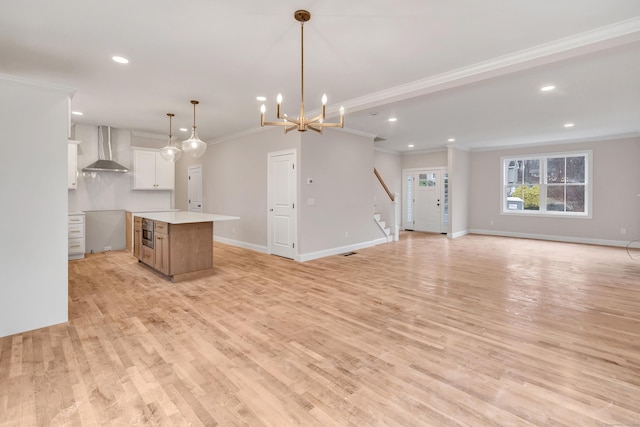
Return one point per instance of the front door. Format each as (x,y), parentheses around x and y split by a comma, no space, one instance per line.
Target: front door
(194,188)
(425,200)
(282,193)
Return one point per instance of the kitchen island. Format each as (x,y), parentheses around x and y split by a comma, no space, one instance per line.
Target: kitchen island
(176,244)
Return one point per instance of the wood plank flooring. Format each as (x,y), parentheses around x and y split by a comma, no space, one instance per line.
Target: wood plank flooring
(476,331)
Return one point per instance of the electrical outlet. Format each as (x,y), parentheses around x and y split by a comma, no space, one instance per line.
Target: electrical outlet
(346,234)
(107,248)
(623,231)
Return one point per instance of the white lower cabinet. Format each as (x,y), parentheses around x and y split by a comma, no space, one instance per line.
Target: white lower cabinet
(76,235)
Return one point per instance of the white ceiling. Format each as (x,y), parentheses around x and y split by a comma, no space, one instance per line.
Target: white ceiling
(465,69)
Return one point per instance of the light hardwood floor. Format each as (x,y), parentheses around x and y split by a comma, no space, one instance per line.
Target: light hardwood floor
(476,331)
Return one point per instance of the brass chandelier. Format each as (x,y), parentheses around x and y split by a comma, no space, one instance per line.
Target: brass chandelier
(302,123)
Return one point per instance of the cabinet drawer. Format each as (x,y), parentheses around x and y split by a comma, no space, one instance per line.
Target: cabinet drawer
(76,230)
(76,246)
(161,227)
(76,219)
(147,255)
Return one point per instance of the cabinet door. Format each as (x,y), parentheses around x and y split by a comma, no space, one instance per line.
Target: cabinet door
(72,166)
(137,237)
(144,170)
(161,249)
(165,173)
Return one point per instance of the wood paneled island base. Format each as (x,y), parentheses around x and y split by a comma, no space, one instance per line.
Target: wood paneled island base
(182,246)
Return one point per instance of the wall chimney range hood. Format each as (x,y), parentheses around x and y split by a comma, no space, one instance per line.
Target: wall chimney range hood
(105,161)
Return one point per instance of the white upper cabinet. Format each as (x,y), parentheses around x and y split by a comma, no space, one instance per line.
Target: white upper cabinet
(152,172)
(72,164)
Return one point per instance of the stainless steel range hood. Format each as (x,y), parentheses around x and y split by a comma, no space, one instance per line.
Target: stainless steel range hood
(105,161)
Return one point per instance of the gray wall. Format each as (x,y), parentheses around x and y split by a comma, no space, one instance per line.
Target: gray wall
(389,165)
(425,160)
(341,165)
(234,182)
(616,184)
(33,184)
(459,181)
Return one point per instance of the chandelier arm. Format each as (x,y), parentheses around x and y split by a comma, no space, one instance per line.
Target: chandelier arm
(330,125)
(275,124)
(316,119)
(290,128)
(313,127)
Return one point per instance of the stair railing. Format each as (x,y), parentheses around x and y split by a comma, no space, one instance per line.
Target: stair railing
(391,196)
(395,211)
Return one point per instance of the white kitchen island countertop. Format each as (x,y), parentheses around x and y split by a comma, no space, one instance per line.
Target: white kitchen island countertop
(185,217)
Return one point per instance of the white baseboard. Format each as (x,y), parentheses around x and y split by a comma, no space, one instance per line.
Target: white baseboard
(568,239)
(240,244)
(341,250)
(460,234)
(304,257)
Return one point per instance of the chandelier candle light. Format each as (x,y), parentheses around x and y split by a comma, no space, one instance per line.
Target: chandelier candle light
(302,123)
(194,146)
(170,152)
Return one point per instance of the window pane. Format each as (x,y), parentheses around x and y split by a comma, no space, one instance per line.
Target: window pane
(575,198)
(431,180)
(575,169)
(514,172)
(532,171)
(555,170)
(523,197)
(555,198)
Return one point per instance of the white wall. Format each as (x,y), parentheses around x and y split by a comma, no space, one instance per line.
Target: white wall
(616,184)
(112,190)
(33,184)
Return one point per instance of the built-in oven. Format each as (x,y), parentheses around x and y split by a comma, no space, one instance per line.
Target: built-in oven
(147,232)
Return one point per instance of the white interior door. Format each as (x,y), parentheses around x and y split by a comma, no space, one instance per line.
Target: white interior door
(282,193)
(424,208)
(194,188)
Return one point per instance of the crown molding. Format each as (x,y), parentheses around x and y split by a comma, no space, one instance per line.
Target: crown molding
(618,34)
(61,88)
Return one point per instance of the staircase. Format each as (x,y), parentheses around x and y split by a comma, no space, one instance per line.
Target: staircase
(386,230)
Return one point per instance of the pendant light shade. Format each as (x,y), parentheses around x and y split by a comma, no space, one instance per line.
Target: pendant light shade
(170,152)
(194,146)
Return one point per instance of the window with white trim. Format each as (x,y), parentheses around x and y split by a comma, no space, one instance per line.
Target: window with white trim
(550,184)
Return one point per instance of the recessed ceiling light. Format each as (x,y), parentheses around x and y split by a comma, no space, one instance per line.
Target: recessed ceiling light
(569,125)
(261,98)
(120,59)
(548,88)
(183,129)
(410,145)
(393,119)
(451,139)
(77,113)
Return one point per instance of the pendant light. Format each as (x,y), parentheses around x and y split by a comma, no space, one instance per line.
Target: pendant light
(194,146)
(170,152)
